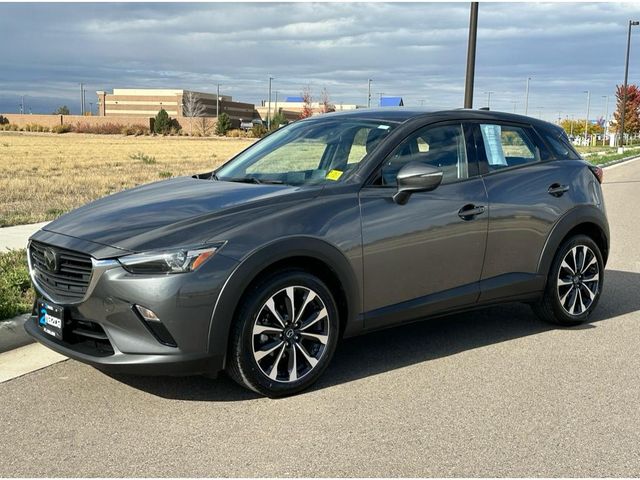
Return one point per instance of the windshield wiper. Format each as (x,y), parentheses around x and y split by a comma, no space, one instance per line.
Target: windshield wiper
(255,180)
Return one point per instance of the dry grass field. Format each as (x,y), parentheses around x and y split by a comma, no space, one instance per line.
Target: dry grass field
(45,175)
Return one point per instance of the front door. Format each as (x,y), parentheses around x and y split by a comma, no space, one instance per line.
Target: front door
(426,255)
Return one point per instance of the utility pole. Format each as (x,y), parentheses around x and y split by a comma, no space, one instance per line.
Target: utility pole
(369,95)
(217,101)
(471,55)
(81,98)
(624,94)
(489,99)
(269,107)
(586,122)
(22,106)
(84,101)
(526,97)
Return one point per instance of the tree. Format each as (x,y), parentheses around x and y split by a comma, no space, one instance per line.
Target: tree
(631,110)
(325,103)
(192,107)
(307,110)
(62,110)
(162,123)
(277,120)
(576,127)
(224,124)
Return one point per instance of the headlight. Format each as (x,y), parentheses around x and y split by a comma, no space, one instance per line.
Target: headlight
(173,261)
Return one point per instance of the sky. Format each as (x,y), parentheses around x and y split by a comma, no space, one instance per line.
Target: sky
(413,50)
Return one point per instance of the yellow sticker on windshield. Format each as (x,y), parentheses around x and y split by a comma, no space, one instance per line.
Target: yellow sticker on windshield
(334,175)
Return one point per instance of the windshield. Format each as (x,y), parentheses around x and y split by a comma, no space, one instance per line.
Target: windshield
(307,152)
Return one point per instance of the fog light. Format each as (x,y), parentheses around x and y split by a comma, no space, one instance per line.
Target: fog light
(147,314)
(155,326)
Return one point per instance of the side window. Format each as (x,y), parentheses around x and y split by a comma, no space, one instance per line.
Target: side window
(560,145)
(443,147)
(507,146)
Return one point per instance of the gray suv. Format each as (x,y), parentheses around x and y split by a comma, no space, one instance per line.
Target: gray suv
(330,227)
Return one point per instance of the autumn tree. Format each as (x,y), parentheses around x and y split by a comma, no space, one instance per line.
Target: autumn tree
(325,103)
(307,100)
(631,110)
(576,127)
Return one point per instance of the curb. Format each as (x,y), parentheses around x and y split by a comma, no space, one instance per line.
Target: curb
(27,359)
(616,162)
(12,333)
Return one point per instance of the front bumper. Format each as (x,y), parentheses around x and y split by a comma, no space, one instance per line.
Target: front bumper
(105,330)
(132,363)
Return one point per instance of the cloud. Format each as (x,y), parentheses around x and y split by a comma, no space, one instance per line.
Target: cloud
(416,50)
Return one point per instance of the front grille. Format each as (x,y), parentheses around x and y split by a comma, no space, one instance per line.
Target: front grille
(68,279)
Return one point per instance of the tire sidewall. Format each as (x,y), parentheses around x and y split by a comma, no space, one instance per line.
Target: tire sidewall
(552,290)
(252,374)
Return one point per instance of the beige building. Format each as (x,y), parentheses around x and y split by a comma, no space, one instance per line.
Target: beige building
(147,102)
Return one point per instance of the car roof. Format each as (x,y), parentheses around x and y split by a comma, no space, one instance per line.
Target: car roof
(403,114)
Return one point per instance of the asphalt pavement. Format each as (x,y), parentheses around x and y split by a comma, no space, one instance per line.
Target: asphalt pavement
(490,393)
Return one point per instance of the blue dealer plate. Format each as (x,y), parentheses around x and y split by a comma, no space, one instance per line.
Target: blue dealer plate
(50,319)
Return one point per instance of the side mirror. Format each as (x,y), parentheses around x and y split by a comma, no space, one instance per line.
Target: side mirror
(416,177)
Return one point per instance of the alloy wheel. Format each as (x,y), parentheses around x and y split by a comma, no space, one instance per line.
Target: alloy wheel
(290,334)
(578,281)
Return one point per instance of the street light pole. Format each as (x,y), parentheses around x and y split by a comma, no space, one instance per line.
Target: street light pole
(369,95)
(489,99)
(471,56)
(586,122)
(626,77)
(269,108)
(217,101)
(572,127)
(82,98)
(606,118)
(526,97)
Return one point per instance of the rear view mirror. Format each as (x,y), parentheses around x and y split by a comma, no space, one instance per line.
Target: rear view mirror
(416,177)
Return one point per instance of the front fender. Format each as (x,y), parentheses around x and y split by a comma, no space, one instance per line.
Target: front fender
(261,259)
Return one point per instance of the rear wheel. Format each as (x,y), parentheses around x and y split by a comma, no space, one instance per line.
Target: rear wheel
(285,334)
(574,284)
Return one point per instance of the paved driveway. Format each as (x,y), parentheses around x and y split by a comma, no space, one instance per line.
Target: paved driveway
(490,393)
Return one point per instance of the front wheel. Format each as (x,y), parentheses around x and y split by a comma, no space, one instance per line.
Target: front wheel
(284,335)
(574,284)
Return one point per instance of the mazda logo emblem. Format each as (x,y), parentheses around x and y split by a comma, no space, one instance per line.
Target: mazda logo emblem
(51,260)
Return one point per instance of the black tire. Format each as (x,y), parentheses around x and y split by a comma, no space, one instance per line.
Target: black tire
(550,308)
(242,365)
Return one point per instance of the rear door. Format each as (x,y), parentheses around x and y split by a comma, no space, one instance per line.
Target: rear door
(426,255)
(528,191)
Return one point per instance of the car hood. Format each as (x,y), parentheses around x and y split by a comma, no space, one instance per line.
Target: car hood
(180,211)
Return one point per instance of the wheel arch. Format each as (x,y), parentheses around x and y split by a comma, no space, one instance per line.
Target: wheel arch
(308,253)
(587,220)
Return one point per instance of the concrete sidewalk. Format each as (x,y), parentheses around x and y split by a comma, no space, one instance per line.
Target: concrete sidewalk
(16,237)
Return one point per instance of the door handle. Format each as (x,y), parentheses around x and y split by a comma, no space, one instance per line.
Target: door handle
(469,211)
(557,190)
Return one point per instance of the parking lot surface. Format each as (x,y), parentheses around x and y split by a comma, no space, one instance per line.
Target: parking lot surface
(489,393)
